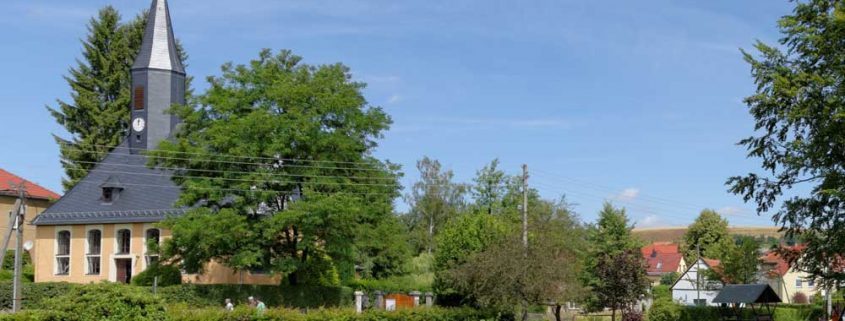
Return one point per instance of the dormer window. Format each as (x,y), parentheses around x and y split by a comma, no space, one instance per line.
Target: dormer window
(108,194)
(111,190)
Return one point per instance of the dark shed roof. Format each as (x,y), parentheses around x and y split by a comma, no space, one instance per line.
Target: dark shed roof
(747,293)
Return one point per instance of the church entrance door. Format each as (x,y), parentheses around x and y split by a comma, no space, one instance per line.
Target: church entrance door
(124,270)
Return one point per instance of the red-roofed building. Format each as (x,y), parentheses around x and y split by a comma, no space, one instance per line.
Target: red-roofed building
(785,280)
(663,258)
(38,199)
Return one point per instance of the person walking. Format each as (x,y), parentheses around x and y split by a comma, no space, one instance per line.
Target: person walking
(229,305)
(259,306)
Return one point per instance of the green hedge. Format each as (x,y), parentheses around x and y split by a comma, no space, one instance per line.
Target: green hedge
(33,294)
(782,313)
(177,313)
(196,295)
(273,295)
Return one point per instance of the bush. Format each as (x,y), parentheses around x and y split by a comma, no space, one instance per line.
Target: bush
(33,293)
(632,316)
(800,298)
(664,310)
(106,301)
(167,275)
(395,284)
(181,313)
(273,295)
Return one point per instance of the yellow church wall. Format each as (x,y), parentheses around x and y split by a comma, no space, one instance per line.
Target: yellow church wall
(45,257)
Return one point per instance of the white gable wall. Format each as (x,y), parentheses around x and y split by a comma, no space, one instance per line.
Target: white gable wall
(686,291)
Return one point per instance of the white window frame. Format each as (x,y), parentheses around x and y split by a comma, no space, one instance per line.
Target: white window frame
(147,228)
(88,254)
(798,283)
(117,246)
(67,256)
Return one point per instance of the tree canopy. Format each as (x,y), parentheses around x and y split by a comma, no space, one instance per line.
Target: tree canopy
(799,134)
(282,166)
(709,232)
(434,199)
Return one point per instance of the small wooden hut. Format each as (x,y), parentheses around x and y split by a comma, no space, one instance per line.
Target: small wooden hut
(736,300)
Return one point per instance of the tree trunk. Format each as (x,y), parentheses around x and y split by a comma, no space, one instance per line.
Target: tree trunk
(524,310)
(613,314)
(557,312)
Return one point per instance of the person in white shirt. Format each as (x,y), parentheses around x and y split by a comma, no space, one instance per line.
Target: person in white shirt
(229,305)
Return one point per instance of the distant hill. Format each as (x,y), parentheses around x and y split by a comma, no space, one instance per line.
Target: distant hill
(673,234)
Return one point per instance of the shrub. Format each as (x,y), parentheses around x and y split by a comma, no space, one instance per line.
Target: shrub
(664,310)
(272,295)
(800,298)
(108,301)
(180,313)
(661,292)
(632,316)
(33,293)
(167,275)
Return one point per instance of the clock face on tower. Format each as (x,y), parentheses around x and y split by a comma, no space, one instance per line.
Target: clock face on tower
(138,124)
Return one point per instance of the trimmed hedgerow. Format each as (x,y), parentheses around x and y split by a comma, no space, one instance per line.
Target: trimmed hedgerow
(272,295)
(181,313)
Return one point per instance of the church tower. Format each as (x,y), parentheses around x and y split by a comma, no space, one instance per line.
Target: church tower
(158,81)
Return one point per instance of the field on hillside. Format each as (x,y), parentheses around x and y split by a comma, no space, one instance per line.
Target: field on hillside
(673,234)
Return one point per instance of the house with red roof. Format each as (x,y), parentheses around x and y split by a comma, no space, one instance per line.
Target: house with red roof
(663,258)
(37,197)
(785,280)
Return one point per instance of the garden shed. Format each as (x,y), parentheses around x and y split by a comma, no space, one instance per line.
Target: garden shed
(751,302)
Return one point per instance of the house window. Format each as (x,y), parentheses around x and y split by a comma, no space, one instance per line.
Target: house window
(123,241)
(95,239)
(139,98)
(153,237)
(811,283)
(699,302)
(798,283)
(63,253)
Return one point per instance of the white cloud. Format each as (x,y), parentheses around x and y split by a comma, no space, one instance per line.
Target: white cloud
(520,123)
(394,99)
(628,194)
(649,221)
(731,210)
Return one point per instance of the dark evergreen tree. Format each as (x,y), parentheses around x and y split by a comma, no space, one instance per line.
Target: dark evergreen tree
(98,115)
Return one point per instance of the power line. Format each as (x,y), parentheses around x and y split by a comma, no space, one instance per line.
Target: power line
(254,190)
(147,156)
(275,159)
(225,171)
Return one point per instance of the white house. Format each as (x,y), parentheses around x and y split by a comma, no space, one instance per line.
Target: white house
(693,288)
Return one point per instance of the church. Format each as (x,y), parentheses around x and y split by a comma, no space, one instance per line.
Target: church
(99,230)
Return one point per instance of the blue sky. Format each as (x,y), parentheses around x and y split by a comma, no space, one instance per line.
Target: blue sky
(637,102)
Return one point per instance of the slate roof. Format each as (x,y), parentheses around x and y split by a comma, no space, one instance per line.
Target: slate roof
(158,51)
(32,190)
(747,293)
(147,195)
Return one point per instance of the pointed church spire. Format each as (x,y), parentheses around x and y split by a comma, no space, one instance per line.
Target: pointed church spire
(158,50)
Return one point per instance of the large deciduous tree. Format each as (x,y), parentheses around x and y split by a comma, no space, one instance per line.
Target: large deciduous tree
(434,199)
(98,115)
(799,113)
(741,262)
(614,257)
(506,274)
(621,279)
(281,164)
(709,233)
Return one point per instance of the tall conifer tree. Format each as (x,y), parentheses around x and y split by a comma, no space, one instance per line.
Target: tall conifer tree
(98,114)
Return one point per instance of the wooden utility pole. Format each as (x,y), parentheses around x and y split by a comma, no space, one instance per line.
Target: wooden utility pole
(698,273)
(16,221)
(525,208)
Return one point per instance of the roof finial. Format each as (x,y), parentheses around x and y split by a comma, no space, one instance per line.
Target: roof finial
(158,49)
